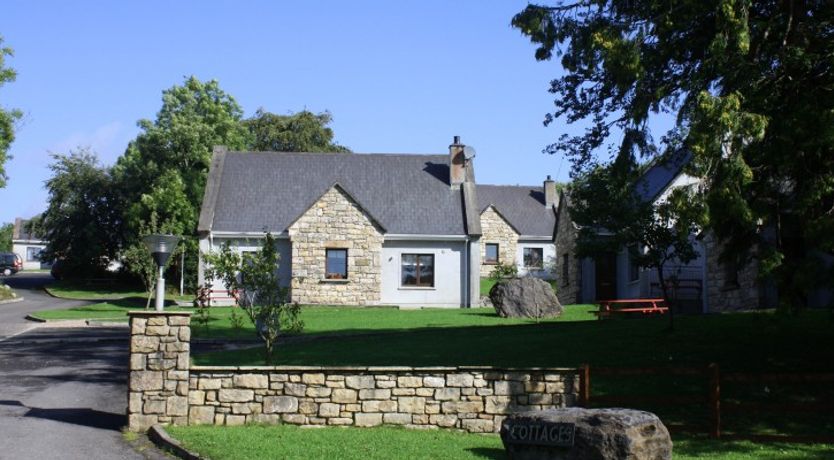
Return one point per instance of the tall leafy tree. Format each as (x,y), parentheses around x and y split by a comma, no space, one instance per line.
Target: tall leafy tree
(752,87)
(299,132)
(164,170)
(6,231)
(8,117)
(81,223)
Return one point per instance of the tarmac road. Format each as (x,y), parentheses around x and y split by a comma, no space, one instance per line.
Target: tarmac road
(62,390)
(29,286)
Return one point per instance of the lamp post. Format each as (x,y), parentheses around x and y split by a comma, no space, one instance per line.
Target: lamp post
(161,247)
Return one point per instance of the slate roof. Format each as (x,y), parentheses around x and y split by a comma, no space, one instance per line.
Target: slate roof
(19,231)
(661,173)
(405,194)
(522,205)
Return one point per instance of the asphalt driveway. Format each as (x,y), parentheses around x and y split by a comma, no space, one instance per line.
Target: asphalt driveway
(62,390)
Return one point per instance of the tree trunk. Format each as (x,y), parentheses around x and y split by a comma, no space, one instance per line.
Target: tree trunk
(663,289)
(148,303)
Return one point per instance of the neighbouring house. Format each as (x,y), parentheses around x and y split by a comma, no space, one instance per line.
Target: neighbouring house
(517,227)
(615,275)
(28,246)
(375,229)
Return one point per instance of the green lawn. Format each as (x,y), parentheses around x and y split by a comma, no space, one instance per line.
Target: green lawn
(101,290)
(291,442)
(744,342)
(323,320)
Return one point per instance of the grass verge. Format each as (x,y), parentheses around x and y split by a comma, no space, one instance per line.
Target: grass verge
(322,320)
(291,442)
(100,290)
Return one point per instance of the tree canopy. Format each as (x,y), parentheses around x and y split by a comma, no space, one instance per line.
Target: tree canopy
(8,117)
(81,223)
(751,85)
(299,132)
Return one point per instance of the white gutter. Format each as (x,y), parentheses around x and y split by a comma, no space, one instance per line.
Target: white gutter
(279,236)
(412,237)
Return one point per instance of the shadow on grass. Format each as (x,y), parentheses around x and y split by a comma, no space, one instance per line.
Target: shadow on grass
(484,452)
(701,447)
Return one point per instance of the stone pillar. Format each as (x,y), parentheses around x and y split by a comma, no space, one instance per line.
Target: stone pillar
(159,369)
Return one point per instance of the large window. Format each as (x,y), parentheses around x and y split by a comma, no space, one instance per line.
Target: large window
(533,257)
(336,268)
(33,254)
(418,270)
(491,256)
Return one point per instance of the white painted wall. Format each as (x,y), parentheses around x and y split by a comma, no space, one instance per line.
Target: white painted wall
(241,245)
(450,277)
(19,247)
(549,254)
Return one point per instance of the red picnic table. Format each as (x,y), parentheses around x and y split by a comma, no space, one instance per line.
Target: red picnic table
(625,306)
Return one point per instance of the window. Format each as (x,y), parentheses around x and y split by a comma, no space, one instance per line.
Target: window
(336,268)
(33,254)
(566,269)
(491,253)
(633,268)
(533,257)
(418,270)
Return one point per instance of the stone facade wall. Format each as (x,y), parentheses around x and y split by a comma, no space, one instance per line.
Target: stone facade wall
(568,288)
(722,293)
(495,229)
(165,390)
(335,221)
(159,362)
(471,399)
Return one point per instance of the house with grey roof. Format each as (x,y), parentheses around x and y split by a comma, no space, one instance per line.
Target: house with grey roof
(614,275)
(374,229)
(28,245)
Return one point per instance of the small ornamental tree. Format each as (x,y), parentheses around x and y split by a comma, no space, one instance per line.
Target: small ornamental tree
(253,281)
(612,216)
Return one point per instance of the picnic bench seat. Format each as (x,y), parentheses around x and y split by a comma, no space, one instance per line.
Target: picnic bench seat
(607,308)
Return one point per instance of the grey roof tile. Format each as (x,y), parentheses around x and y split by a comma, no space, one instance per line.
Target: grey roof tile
(407,194)
(661,173)
(522,205)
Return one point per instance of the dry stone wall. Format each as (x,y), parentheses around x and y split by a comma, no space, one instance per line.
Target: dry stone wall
(497,230)
(471,399)
(164,389)
(336,221)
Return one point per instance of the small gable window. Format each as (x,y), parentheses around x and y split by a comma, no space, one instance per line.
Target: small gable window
(418,270)
(491,256)
(533,257)
(336,268)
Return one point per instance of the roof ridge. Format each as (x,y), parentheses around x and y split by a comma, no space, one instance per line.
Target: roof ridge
(344,154)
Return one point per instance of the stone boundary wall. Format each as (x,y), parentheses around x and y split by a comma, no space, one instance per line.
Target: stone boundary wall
(474,399)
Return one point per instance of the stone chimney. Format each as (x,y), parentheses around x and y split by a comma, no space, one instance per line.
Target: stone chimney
(457,163)
(549,192)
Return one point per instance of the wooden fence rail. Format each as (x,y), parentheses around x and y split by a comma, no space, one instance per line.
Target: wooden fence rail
(713,397)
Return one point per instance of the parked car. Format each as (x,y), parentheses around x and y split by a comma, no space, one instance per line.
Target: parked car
(10,263)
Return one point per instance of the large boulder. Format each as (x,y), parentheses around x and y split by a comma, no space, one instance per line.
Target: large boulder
(590,434)
(525,297)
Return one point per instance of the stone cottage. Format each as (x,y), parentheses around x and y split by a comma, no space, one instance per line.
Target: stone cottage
(375,229)
(615,275)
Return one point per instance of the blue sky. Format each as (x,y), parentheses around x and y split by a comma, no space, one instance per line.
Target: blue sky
(398,77)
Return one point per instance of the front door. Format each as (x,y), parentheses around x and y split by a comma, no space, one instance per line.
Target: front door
(606,276)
